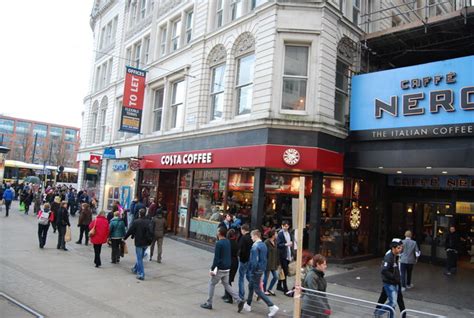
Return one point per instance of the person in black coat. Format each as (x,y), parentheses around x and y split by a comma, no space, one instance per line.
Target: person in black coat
(285,247)
(142,231)
(62,221)
(452,245)
(234,249)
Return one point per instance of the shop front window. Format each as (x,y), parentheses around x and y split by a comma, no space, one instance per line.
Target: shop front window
(240,194)
(206,203)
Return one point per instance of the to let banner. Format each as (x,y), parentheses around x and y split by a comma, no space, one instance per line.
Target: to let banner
(132,104)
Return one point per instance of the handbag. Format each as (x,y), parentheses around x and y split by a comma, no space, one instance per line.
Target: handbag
(92,231)
(281,274)
(22,207)
(292,268)
(67,236)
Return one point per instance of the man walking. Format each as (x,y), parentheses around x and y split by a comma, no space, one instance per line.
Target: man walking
(408,259)
(391,276)
(452,244)
(220,270)
(245,245)
(141,230)
(8,196)
(160,226)
(284,244)
(257,266)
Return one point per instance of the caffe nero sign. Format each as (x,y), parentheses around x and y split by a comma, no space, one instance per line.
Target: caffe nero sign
(423,101)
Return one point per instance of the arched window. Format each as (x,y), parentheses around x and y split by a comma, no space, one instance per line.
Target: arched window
(217,58)
(244,52)
(93,122)
(103,117)
(346,55)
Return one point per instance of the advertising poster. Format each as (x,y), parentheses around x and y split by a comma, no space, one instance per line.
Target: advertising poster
(132,106)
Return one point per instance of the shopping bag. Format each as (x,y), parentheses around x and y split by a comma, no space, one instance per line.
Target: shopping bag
(67,236)
(281,274)
(123,249)
(292,268)
(22,207)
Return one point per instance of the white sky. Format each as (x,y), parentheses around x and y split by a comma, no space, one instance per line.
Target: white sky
(46,59)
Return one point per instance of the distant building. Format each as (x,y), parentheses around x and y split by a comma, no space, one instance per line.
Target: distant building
(55,144)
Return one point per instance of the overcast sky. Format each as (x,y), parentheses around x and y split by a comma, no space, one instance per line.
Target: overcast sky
(46,55)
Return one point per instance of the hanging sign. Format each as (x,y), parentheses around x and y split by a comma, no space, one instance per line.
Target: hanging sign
(132,104)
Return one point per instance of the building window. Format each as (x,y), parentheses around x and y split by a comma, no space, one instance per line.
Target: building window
(6,126)
(244,87)
(23,128)
(189,26)
(146,48)
(256,3)
(133,13)
(103,115)
(158,109)
(342,90)
(219,13)
(217,92)
(236,9)
(142,9)
(41,130)
(355,11)
(295,77)
(163,41)
(175,35)
(70,135)
(94,116)
(56,133)
(177,99)
(136,55)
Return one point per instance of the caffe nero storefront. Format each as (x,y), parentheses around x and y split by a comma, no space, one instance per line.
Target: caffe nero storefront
(412,134)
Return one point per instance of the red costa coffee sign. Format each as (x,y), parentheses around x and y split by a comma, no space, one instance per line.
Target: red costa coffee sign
(95,159)
(264,156)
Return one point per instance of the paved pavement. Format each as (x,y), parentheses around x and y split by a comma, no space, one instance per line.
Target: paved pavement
(58,283)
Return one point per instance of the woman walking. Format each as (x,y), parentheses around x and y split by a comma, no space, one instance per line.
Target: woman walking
(55,205)
(45,217)
(117,232)
(85,218)
(62,221)
(272,263)
(316,304)
(99,232)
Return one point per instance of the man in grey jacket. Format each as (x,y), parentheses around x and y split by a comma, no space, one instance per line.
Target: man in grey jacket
(408,259)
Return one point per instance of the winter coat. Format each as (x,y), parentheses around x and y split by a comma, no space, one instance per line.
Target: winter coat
(85,217)
(138,230)
(101,230)
(315,304)
(8,194)
(234,265)
(410,250)
(160,226)
(51,215)
(453,241)
(282,248)
(245,245)
(272,255)
(390,271)
(117,228)
(62,217)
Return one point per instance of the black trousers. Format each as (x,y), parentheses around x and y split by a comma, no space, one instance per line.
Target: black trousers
(284,266)
(405,271)
(116,250)
(451,261)
(42,234)
(97,249)
(7,206)
(61,233)
(84,230)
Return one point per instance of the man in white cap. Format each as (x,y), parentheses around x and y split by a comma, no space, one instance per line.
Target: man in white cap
(391,275)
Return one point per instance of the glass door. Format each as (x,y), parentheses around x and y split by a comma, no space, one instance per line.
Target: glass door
(436,220)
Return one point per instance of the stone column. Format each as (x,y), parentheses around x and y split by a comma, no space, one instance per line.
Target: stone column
(258,201)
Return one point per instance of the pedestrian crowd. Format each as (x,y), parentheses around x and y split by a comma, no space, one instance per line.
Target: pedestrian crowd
(264,262)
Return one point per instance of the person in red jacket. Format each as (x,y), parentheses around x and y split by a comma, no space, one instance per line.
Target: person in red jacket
(99,236)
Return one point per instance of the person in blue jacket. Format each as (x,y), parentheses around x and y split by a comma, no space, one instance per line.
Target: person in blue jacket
(8,196)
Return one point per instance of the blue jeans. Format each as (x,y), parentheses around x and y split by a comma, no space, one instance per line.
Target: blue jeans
(243,272)
(138,268)
(272,282)
(392,294)
(254,286)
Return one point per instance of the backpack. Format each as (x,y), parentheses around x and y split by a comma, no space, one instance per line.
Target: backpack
(44,218)
(150,232)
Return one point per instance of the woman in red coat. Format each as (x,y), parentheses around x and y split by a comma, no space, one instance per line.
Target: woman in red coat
(98,232)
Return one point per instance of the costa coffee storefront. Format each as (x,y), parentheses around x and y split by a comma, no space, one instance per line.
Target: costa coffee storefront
(412,129)
(258,183)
